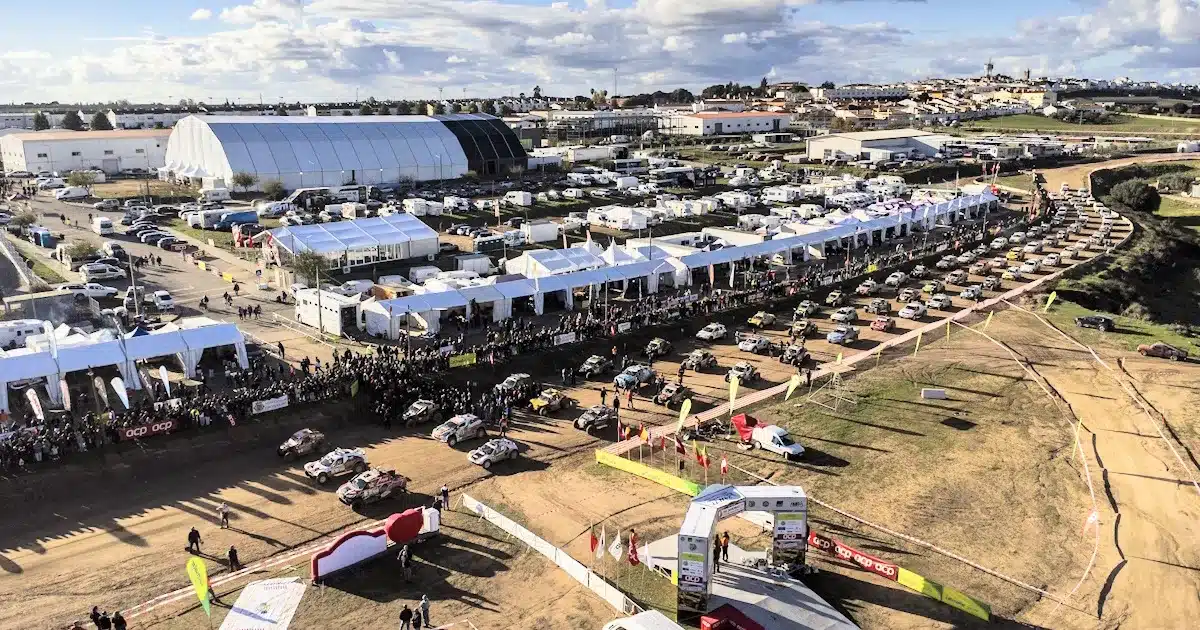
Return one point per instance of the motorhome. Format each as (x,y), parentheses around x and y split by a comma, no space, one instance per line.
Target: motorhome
(456,204)
(631,166)
(518,198)
(13,333)
(102,226)
(214,195)
(423,207)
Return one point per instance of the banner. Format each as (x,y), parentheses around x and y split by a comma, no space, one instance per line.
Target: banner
(198,574)
(101,390)
(265,605)
(35,403)
(146,430)
(945,594)
(1050,300)
(170,403)
(792,385)
(445,350)
(684,410)
(270,404)
(66,392)
(463,360)
(872,268)
(624,326)
(916,349)
(653,474)
(162,374)
(712,276)
(119,386)
(733,387)
(846,552)
(354,388)
(564,338)
(989,320)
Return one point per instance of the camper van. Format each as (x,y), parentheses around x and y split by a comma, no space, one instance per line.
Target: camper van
(71,193)
(518,198)
(102,226)
(14,333)
(206,219)
(214,195)
(456,205)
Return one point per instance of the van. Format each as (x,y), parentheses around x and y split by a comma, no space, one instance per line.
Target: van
(102,226)
(71,193)
(214,194)
(227,219)
(206,219)
(514,238)
(489,243)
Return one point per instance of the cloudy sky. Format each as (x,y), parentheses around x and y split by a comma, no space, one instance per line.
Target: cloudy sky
(312,50)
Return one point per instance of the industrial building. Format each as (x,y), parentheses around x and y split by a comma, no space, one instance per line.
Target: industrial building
(109,151)
(724,123)
(312,151)
(876,145)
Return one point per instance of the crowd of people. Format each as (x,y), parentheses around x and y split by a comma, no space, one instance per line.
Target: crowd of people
(390,378)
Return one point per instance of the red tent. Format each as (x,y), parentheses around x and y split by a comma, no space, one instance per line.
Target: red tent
(726,617)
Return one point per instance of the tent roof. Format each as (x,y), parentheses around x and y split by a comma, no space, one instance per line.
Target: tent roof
(84,356)
(20,364)
(556,261)
(516,288)
(481,293)
(356,234)
(154,344)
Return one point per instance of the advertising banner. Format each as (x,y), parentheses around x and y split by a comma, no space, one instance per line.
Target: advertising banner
(693,574)
(945,594)
(265,605)
(866,561)
(35,403)
(462,360)
(624,326)
(790,531)
(732,509)
(198,575)
(270,404)
(564,338)
(98,383)
(653,474)
(146,430)
(172,403)
(118,386)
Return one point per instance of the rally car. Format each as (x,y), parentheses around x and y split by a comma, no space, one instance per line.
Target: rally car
(868,287)
(513,382)
(550,400)
(658,347)
(595,366)
(973,292)
(804,309)
(754,343)
(761,319)
(422,411)
(883,323)
(794,355)
(896,279)
(596,417)
(804,328)
(844,315)
(744,371)
(934,286)
(496,450)
(671,394)
(941,301)
(879,306)
(699,359)
(843,335)
(919,271)
(907,294)
(633,376)
(712,332)
(302,442)
(461,427)
(371,486)
(835,299)
(991,283)
(913,310)
(337,463)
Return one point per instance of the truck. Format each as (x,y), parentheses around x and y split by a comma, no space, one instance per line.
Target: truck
(540,231)
(71,193)
(768,437)
(518,198)
(479,263)
(227,219)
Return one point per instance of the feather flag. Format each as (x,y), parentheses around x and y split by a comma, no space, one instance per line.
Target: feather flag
(593,542)
(684,410)
(724,466)
(679,447)
(615,548)
(633,550)
(662,442)
(599,546)
(792,385)
(644,434)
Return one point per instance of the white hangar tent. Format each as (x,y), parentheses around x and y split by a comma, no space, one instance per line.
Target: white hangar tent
(360,242)
(76,352)
(317,151)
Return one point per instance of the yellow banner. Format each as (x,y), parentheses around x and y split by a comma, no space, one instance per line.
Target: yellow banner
(945,594)
(684,410)
(989,320)
(872,268)
(657,476)
(228,277)
(733,387)
(198,574)
(839,358)
(461,360)
(202,266)
(792,385)
(1050,300)
(918,348)
(919,583)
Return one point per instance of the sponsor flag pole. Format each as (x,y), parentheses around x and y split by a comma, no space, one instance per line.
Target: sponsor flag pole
(1050,300)
(989,320)
(791,389)
(198,574)
(918,348)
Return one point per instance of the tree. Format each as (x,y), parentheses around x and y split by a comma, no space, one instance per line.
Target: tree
(81,179)
(762,87)
(505,110)
(1180,108)
(273,189)
(1176,182)
(40,122)
(438,108)
(537,91)
(365,110)
(243,180)
(681,95)
(81,249)
(828,85)
(100,122)
(72,121)
(489,107)
(472,108)
(452,108)
(403,108)
(158,124)
(281,110)
(310,265)
(24,219)
(1136,195)
(383,110)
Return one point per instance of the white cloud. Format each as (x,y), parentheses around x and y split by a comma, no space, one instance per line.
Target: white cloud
(201,14)
(676,43)
(455,59)
(734,38)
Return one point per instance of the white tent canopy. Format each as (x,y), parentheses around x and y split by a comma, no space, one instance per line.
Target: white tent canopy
(411,236)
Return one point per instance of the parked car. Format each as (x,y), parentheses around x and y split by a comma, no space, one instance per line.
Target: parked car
(973,292)
(919,272)
(795,354)
(835,299)
(92,290)
(93,271)
(805,309)
(933,286)
(868,287)
(106,204)
(946,262)
(595,365)
(896,278)
(596,418)
(1099,322)
(908,294)
(633,376)
(1162,350)
(991,283)
(712,332)
(803,327)
(940,301)
(844,315)
(843,335)
(163,301)
(879,306)
(957,276)
(671,394)
(1051,260)
(657,347)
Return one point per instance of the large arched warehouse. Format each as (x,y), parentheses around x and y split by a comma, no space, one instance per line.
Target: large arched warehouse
(315,151)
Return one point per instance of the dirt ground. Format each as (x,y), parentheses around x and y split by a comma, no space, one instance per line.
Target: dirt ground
(1076,176)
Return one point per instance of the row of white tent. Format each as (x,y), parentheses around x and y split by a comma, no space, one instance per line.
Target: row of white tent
(582,268)
(53,355)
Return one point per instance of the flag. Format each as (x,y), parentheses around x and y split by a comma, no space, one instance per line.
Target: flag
(679,447)
(633,550)
(628,432)
(989,320)
(792,385)
(918,342)
(615,548)
(839,358)
(733,387)
(198,574)
(354,389)
(704,461)
(724,466)
(1050,300)
(644,434)
(35,403)
(119,386)
(66,392)
(662,442)
(98,383)
(162,374)
(600,544)
(594,542)
(684,410)
(712,272)
(699,453)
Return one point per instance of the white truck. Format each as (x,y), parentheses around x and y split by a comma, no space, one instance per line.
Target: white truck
(540,231)
(768,437)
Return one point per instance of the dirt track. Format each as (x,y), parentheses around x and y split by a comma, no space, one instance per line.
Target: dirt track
(1076,176)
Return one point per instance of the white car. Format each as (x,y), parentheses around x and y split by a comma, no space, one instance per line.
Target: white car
(973,292)
(92,290)
(868,287)
(896,279)
(1052,260)
(967,258)
(93,271)
(957,276)
(163,301)
(947,262)
(712,332)
(461,427)
(940,301)
(337,463)
(999,243)
(633,376)
(1029,267)
(496,450)
(842,335)
(913,310)
(844,315)
(775,439)
(1016,238)
(754,343)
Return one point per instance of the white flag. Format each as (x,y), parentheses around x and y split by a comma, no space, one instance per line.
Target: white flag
(600,546)
(615,548)
(647,559)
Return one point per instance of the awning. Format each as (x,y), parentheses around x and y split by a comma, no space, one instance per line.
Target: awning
(21,364)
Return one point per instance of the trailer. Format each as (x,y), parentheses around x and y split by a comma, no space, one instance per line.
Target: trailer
(423,207)
(540,231)
(478,263)
(518,198)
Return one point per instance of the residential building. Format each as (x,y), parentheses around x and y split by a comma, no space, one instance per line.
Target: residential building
(852,92)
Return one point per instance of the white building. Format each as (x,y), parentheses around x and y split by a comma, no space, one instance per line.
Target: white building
(875,145)
(109,151)
(144,119)
(848,92)
(724,123)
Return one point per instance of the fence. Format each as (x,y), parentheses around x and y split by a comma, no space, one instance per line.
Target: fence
(562,559)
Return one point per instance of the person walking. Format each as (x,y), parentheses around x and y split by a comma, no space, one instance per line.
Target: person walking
(194,541)
(629,397)
(223,512)
(235,564)
(424,607)
(616,406)
(406,615)
(603,395)
(405,563)
(279,344)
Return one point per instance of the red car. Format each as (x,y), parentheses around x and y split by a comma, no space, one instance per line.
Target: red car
(1163,351)
(883,323)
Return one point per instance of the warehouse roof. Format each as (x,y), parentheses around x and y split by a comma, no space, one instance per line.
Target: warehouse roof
(739,114)
(886,134)
(92,135)
(349,235)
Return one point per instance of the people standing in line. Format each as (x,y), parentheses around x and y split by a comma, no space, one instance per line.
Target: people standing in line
(716,555)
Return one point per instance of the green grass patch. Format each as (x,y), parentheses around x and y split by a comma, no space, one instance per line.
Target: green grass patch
(1185,212)
(43,271)
(1130,331)
(1117,123)
(1020,181)
(224,240)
